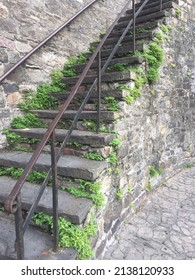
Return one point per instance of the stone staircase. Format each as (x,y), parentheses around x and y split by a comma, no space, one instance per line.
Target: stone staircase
(73,164)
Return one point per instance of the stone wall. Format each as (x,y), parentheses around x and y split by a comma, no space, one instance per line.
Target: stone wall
(157,130)
(26,23)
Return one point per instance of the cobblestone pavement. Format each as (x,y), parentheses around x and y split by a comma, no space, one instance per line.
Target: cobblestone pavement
(165,226)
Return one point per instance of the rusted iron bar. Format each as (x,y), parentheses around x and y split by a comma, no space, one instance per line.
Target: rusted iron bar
(160,5)
(54,191)
(12,196)
(133,25)
(19,242)
(49,37)
(12,200)
(99,76)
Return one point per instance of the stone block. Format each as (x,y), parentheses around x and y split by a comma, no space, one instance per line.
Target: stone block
(4,113)
(4,12)
(14,99)
(10,88)
(3,56)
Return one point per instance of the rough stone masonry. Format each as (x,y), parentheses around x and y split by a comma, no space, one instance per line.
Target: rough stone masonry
(157,130)
(25,23)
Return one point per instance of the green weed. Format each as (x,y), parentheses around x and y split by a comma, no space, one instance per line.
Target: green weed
(112,158)
(71,236)
(27,121)
(94,156)
(88,190)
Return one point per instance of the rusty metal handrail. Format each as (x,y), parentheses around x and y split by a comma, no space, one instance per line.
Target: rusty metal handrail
(13,202)
(9,206)
(48,38)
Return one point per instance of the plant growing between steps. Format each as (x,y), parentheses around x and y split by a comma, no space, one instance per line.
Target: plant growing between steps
(14,138)
(27,121)
(34,176)
(94,156)
(41,99)
(69,70)
(111,102)
(70,235)
(115,142)
(112,158)
(88,190)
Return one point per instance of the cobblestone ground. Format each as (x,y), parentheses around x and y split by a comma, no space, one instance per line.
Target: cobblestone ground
(165,226)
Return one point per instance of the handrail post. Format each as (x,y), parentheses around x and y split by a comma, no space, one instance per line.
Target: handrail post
(54,191)
(160,5)
(99,77)
(133,26)
(19,243)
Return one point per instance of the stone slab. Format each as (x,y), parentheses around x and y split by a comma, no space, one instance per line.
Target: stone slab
(163,228)
(69,166)
(81,137)
(37,244)
(70,114)
(107,77)
(72,208)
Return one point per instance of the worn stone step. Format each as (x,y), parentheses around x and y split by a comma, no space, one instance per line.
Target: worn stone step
(122,50)
(152,3)
(85,115)
(106,77)
(127,39)
(38,244)
(129,60)
(149,26)
(71,208)
(117,94)
(143,19)
(149,9)
(82,137)
(68,166)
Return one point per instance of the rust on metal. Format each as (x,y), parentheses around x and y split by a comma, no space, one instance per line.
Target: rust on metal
(13,202)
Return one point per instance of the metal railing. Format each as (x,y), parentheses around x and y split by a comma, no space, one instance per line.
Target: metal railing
(13,203)
(45,41)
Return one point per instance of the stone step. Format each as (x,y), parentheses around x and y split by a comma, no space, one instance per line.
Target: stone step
(129,60)
(143,19)
(68,166)
(71,208)
(127,39)
(82,137)
(85,115)
(37,244)
(148,9)
(106,77)
(117,94)
(149,26)
(151,3)
(123,50)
